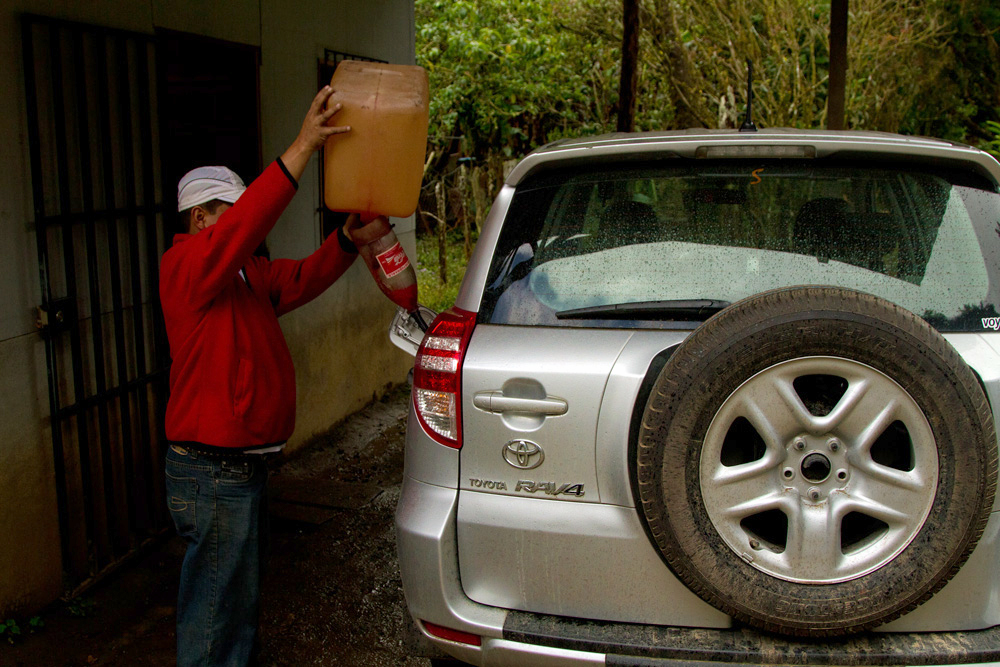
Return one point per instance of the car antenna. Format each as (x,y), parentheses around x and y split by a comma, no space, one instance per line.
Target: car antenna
(748,124)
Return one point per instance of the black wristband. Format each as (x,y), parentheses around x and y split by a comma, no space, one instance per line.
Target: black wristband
(346,244)
(281,164)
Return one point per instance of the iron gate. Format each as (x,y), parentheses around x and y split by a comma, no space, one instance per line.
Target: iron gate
(100,225)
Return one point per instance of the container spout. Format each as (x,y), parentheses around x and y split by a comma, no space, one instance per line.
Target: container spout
(418,319)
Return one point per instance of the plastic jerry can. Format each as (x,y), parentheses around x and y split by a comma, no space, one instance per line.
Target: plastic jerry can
(377,167)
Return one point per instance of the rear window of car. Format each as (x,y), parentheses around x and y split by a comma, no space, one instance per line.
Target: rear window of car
(693,233)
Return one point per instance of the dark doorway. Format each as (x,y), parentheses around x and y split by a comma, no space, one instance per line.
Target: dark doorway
(210,105)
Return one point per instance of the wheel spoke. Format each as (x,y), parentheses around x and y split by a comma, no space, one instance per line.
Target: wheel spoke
(868,429)
(746,489)
(774,500)
(813,549)
(865,420)
(775,410)
(858,404)
(887,494)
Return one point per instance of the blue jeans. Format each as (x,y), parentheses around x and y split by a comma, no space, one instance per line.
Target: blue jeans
(219,507)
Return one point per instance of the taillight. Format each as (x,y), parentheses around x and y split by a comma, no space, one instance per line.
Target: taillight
(453,635)
(437,375)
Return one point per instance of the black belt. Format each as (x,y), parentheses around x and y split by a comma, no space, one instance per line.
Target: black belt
(223,453)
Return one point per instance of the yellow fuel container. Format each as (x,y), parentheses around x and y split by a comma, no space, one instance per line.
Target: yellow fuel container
(377,167)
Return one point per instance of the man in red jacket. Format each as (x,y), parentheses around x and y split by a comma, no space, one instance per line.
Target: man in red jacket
(232,384)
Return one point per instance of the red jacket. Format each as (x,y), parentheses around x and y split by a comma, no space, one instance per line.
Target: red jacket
(232,383)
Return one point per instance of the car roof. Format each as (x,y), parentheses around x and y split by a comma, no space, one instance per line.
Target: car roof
(621,146)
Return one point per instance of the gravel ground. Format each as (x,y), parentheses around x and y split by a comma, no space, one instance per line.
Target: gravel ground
(332,594)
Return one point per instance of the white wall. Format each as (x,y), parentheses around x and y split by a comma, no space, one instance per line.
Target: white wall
(339,342)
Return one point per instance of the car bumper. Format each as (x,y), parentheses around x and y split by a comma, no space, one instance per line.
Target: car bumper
(426,534)
(626,644)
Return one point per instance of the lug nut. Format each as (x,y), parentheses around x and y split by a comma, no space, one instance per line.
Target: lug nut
(800,444)
(814,493)
(834,444)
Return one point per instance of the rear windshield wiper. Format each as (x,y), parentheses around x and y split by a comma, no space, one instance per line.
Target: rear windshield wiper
(673,309)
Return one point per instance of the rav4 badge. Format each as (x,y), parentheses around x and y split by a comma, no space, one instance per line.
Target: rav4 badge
(549,488)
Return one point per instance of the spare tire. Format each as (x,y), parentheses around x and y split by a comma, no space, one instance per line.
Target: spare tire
(815,461)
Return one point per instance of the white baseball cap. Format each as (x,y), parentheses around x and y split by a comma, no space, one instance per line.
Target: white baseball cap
(207,183)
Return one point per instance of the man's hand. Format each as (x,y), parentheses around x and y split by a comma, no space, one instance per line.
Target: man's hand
(362,232)
(313,134)
(352,224)
(315,130)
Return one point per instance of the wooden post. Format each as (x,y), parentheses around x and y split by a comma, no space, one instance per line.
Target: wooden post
(835,112)
(630,66)
(480,198)
(442,232)
(463,188)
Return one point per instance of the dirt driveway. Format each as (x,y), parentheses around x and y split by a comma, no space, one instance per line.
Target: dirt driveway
(332,595)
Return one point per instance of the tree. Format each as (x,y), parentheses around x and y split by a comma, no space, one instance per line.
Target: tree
(509,75)
(504,78)
(966,97)
(503,75)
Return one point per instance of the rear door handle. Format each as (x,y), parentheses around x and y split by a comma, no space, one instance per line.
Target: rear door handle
(495,401)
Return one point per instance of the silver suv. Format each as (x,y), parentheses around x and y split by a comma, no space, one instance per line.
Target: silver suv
(709,396)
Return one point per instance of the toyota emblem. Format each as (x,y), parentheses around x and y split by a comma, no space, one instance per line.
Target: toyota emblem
(523,454)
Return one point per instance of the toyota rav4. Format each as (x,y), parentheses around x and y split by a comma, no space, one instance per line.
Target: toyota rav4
(715,397)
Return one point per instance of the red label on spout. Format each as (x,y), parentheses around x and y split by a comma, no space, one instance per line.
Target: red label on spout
(393,260)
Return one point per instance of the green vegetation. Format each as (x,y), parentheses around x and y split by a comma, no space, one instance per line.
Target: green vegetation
(508,76)
(80,606)
(10,630)
(993,146)
(505,75)
(434,293)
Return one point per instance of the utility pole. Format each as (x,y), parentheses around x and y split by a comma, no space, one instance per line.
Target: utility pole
(630,66)
(835,114)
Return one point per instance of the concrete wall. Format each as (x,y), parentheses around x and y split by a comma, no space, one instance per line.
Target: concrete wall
(339,342)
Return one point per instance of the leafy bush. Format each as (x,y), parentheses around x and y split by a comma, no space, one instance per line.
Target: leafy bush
(11,630)
(993,145)
(434,293)
(505,75)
